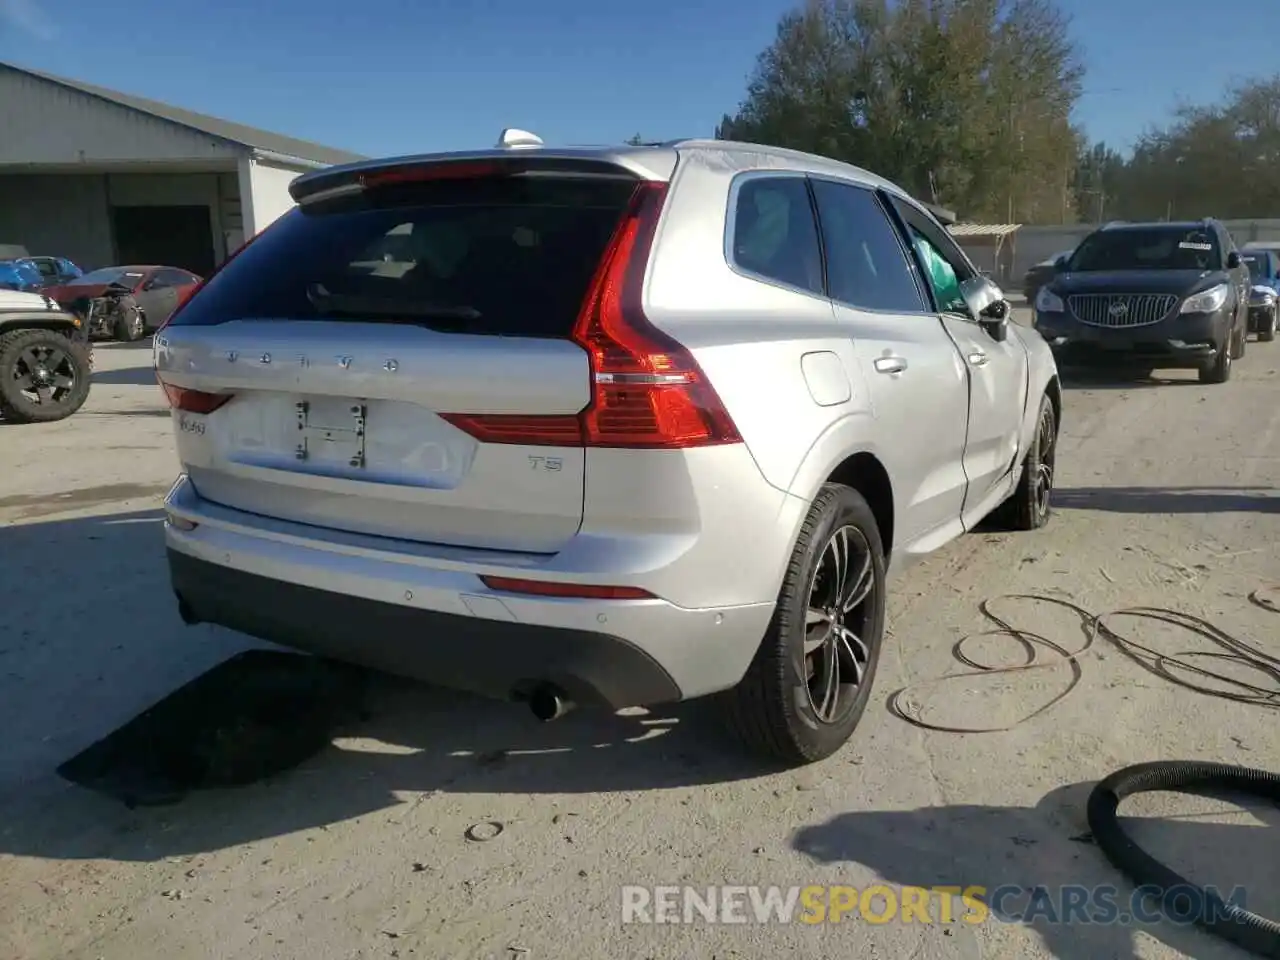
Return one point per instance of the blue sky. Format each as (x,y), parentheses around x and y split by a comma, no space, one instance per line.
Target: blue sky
(401,76)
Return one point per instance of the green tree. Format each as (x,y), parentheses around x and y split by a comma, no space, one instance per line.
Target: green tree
(963,102)
(1220,160)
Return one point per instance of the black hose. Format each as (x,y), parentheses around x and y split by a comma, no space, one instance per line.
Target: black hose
(1226,920)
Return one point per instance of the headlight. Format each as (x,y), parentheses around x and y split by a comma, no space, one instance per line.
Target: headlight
(1210,301)
(1049,302)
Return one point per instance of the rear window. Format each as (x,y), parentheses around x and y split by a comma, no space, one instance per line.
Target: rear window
(509,257)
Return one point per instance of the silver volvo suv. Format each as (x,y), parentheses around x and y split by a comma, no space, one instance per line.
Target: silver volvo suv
(598,426)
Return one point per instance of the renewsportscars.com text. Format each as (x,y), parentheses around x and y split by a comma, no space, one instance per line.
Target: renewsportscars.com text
(880,904)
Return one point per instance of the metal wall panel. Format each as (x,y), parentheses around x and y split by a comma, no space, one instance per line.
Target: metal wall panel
(44,123)
(57,215)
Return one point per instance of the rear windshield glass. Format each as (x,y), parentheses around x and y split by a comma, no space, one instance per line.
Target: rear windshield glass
(510,257)
(1148,248)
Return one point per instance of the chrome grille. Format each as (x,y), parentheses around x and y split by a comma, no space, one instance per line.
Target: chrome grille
(1121,309)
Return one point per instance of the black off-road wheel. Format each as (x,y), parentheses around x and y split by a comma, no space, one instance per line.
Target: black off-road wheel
(44,376)
(811,678)
(1218,370)
(1029,508)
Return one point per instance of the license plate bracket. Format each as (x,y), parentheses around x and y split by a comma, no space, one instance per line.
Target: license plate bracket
(342,441)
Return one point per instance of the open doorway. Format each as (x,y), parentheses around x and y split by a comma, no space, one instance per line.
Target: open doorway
(172,236)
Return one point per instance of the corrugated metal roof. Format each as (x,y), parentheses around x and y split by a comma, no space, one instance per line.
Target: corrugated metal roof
(983,229)
(213,126)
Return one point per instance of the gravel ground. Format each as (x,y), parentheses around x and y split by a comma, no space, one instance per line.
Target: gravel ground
(1167,497)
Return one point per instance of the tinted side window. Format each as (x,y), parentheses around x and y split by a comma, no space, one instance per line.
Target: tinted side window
(774,234)
(47,268)
(866,265)
(172,278)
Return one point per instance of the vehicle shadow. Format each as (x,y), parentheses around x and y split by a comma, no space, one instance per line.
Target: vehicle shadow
(1049,845)
(142,343)
(141,412)
(1095,379)
(127,377)
(1168,499)
(110,650)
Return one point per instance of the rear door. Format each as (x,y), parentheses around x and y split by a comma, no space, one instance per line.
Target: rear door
(917,382)
(342,366)
(998,369)
(156,298)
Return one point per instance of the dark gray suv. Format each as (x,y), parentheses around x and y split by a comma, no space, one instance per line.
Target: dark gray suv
(1149,295)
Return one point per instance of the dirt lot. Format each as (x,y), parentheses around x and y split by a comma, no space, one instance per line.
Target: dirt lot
(1167,497)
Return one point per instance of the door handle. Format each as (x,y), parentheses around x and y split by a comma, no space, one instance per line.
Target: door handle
(978,358)
(890,364)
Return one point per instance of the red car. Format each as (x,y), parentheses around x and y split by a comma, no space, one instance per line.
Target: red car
(157,290)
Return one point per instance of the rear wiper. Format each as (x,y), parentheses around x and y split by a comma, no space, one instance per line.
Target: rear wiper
(362,305)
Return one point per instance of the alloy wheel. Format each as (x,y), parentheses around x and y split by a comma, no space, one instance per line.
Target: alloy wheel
(1043,480)
(842,595)
(45,374)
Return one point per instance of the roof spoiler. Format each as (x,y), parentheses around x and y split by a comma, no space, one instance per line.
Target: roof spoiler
(519,156)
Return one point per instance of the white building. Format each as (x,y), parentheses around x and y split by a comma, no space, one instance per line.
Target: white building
(103,177)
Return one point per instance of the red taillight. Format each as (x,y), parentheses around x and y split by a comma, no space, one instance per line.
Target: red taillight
(428,172)
(574,591)
(647,390)
(193,401)
(562,431)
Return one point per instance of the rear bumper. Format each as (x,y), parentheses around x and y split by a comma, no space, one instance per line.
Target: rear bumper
(435,620)
(1189,340)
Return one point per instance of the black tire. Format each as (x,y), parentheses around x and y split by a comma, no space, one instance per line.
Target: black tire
(29,396)
(773,710)
(1219,369)
(130,324)
(1268,333)
(1029,508)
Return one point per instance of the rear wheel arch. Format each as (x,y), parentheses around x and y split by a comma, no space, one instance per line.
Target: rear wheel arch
(865,473)
(1053,390)
(57,324)
(842,454)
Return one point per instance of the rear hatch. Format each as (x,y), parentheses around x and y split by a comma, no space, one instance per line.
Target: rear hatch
(314,377)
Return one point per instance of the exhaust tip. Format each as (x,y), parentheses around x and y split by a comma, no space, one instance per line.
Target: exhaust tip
(548,703)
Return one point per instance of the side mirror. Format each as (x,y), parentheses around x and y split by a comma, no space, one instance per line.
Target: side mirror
(1233,260)
(987,304)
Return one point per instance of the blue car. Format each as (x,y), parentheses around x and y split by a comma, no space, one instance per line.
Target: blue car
(20,275)
(55,270)
(1264,274)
